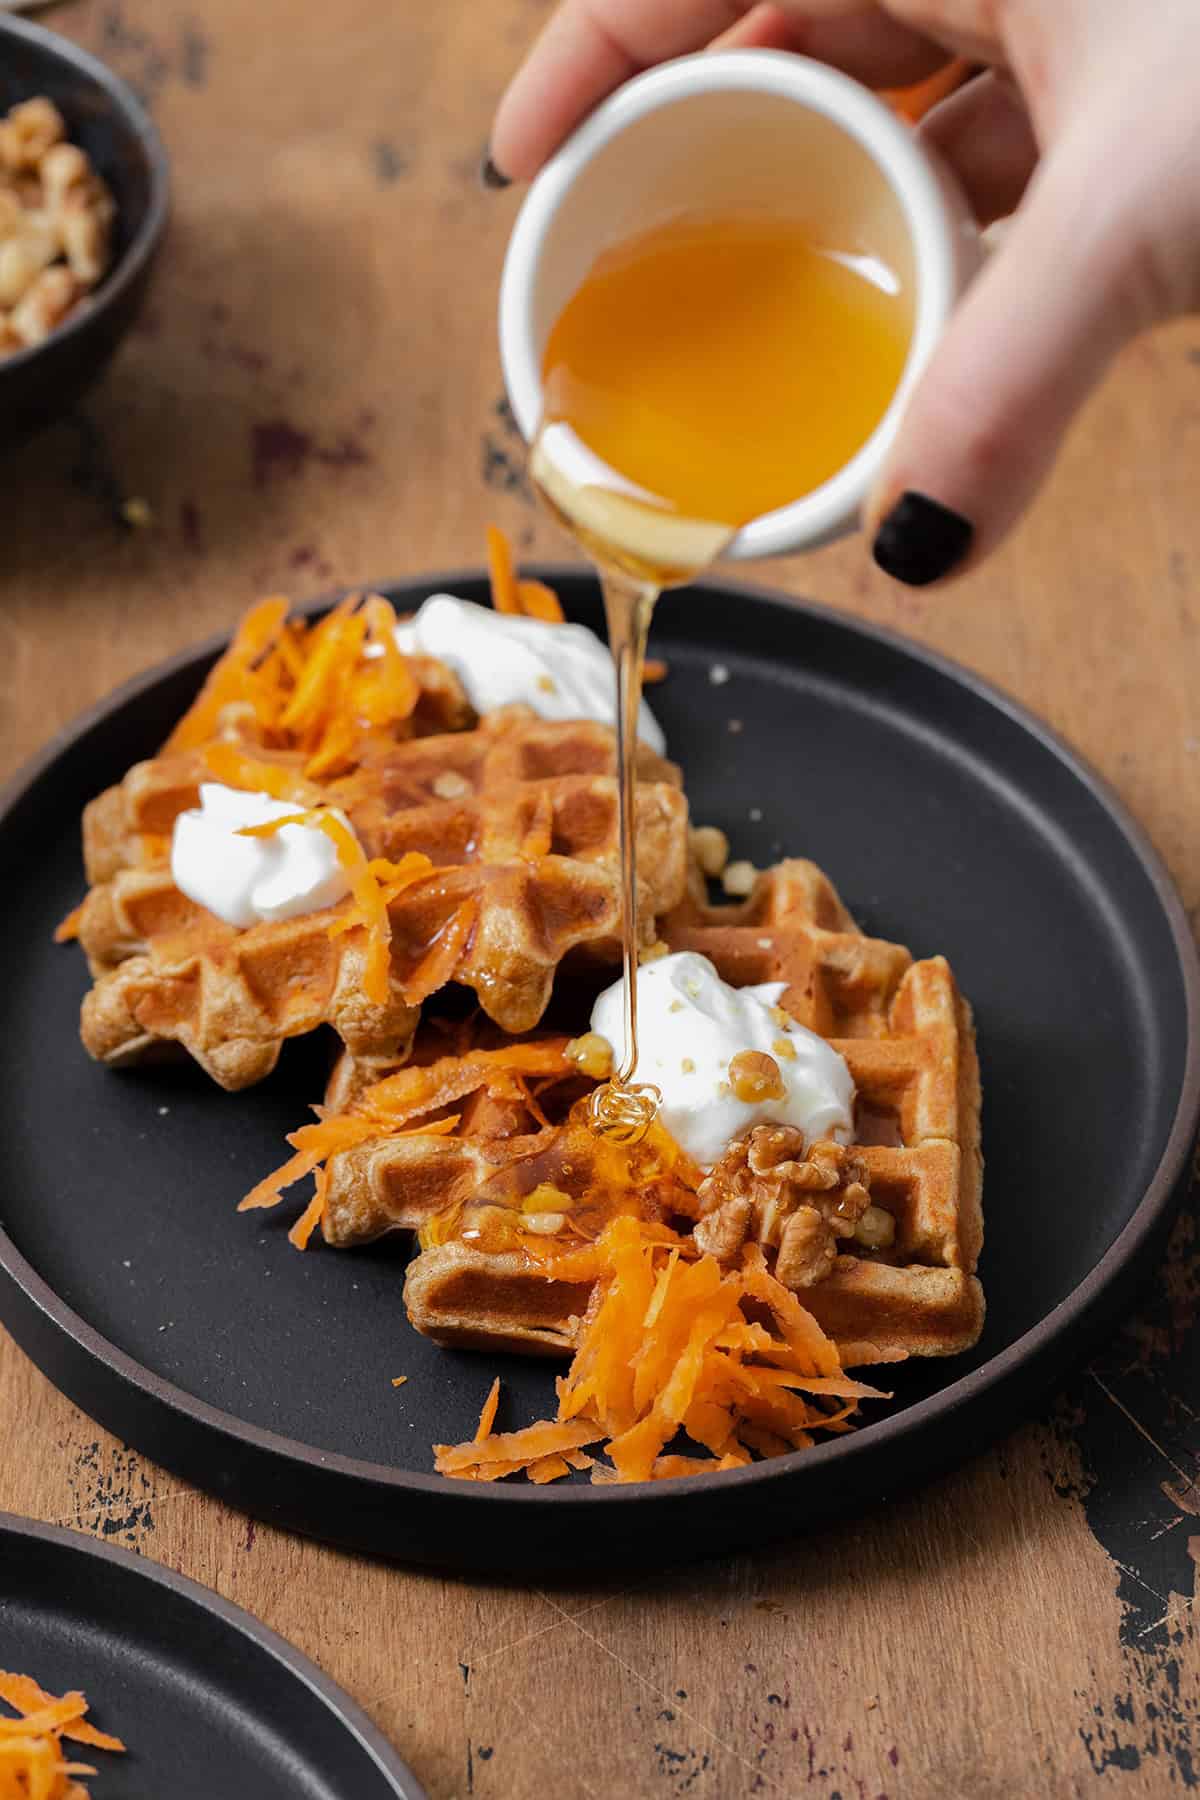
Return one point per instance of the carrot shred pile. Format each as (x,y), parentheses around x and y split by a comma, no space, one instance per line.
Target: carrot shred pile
(324,691)
(309,688)
(389,1107)
(672,1343)
(32,1763)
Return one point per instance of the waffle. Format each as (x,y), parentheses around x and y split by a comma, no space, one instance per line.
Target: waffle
(906,1034)
(519,817)
(229,998)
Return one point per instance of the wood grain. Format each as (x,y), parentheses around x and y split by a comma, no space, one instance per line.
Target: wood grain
(314,398)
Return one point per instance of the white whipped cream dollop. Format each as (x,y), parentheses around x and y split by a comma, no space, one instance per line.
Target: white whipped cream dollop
(690,1026)
(248,880)
(561,671)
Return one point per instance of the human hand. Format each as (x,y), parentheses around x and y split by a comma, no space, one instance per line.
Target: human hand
(1085,126)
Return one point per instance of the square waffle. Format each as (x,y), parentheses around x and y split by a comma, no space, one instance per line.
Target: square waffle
(907,1037)
(519,818)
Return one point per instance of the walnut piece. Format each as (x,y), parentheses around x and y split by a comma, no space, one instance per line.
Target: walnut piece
(807,1250)
(797,1200)
(754,1076)
(56,217)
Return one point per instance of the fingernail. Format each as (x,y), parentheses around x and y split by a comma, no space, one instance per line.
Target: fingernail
(920,540)
(489,175)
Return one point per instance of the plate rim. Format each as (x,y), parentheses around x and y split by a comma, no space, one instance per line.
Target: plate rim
(1069,1315)
(332,1696)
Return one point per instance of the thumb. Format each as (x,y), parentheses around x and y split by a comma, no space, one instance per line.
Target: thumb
(1032,335)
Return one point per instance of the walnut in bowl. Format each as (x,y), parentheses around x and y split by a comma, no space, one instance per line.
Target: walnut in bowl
(56,217)
(83,206)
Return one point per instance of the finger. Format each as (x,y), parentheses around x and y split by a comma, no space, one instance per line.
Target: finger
(1029,340)
(862,41)
(587,49)
(984,133)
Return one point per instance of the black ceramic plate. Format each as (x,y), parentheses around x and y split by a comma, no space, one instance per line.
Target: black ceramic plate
(950,820)
(208,1701)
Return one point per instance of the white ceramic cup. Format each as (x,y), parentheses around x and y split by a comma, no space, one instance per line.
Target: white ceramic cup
(756,131)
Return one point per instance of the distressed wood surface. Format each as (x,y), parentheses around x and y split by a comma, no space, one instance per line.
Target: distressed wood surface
(314,397)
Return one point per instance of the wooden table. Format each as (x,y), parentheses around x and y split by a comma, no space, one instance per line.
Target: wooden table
(313,396)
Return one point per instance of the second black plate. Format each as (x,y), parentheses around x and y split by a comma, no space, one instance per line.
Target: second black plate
(950,820)
(208,1701)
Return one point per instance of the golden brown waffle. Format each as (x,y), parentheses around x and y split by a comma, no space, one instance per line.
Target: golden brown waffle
(906,1034)
(794,928)
(229,998)
(518,816)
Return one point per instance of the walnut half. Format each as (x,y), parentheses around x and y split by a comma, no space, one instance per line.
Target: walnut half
(797,1200)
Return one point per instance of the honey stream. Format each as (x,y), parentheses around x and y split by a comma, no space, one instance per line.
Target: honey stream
(703,374)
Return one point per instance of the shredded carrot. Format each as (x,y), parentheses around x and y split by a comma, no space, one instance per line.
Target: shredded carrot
(548,1468)
(444,954)
(32,1764)
(537,601)
(529,599)
(505,594)
(399,1380)
(364,887)
(667,1349)
(312,1215)
(307,689)
(314,1144)
(530,1445)
(487,1417)
(231,681)
(67,930)
(654,670)
(226,763)
(539,833)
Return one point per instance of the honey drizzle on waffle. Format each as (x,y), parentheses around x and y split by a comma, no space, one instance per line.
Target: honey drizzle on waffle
(638,549)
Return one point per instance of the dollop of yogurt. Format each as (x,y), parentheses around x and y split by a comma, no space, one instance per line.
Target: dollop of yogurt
(690,1026)
(561,671)
(246,880)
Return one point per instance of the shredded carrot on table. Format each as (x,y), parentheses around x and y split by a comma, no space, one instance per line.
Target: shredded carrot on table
(654,670)
(399,1380)
(32,1763)
(674,1344)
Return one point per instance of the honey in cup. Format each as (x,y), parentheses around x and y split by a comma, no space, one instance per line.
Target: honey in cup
(706,372)
(724,367)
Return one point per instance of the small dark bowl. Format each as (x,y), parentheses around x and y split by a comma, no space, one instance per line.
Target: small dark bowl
(105,119)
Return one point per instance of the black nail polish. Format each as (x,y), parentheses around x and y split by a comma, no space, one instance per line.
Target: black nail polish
(920,540)
(489,175)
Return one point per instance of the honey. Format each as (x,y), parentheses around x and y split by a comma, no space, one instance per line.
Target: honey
(704,373)
(727,367)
